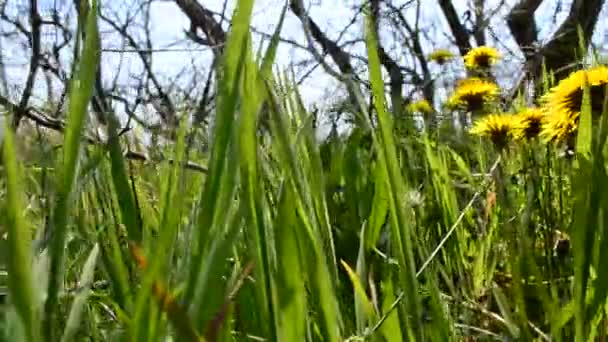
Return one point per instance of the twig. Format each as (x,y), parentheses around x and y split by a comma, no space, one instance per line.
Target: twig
(57,125)
(132,155)
(455,225)
(479,330)
(35,22)
(495,316)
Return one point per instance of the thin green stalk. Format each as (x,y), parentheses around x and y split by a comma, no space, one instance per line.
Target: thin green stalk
(81,91)
(20,259)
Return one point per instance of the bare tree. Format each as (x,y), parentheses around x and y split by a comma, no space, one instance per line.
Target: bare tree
(147,96)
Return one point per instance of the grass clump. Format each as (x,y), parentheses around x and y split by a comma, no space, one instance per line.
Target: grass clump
(368,235)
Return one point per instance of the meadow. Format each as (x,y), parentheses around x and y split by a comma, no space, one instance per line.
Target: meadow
(390,232)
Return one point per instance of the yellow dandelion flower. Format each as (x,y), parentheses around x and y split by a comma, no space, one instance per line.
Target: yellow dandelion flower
(472,94)
(559,127)
(499,128)
(567,95)
(422,106)
(530,122)
(563,102)
(482,57)
(441,56)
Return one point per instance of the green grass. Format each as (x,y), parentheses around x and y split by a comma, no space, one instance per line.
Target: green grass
(370,236)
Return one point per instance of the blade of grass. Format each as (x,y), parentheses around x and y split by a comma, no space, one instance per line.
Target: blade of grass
(379,210)
(310,148)
(363,306)
(81,91)
(271,52)
(76,312)
(600,285)
(585,211)
(585,130)
(290,287)
(171,204)
(211,280)
(331,325)
(252,187)
(505,310)
(400,222)
(129,211)
(388,324)
(108,240)
(222,166)
(176,313)
(20,260)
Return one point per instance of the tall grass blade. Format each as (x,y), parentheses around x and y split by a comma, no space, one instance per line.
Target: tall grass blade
(379,210)
(129,211)
(108,240)
(19,256)
(252,191)
(364,308)
(290,286)
(585,211)
(600,284)
(310,241)
(81,90)
(172,204)
(400,223)
(76,312)
(168,303)
(271,51)
(317,185)
(220,182)
(585,132)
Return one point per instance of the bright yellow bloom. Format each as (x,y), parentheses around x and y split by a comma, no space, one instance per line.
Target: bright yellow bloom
(529,121)
(472,94)
(441,56)
(563,102)
(422,106)
(497,127)
(559,127)
(482,57)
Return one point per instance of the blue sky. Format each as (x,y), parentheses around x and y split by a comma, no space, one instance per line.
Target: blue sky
(168,24)
(333,15)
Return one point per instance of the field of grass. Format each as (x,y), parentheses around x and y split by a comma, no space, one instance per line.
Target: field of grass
(371,236)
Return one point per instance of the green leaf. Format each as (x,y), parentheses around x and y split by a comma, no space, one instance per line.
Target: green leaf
(361,301)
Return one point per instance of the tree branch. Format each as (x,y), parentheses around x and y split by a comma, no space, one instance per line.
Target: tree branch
(523,26)
(339,56)
(480,23)
(202,18)
(562,52)
(167,115)
(57,125)
(461,35)
(426,81)
(393,69)
(35,22)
